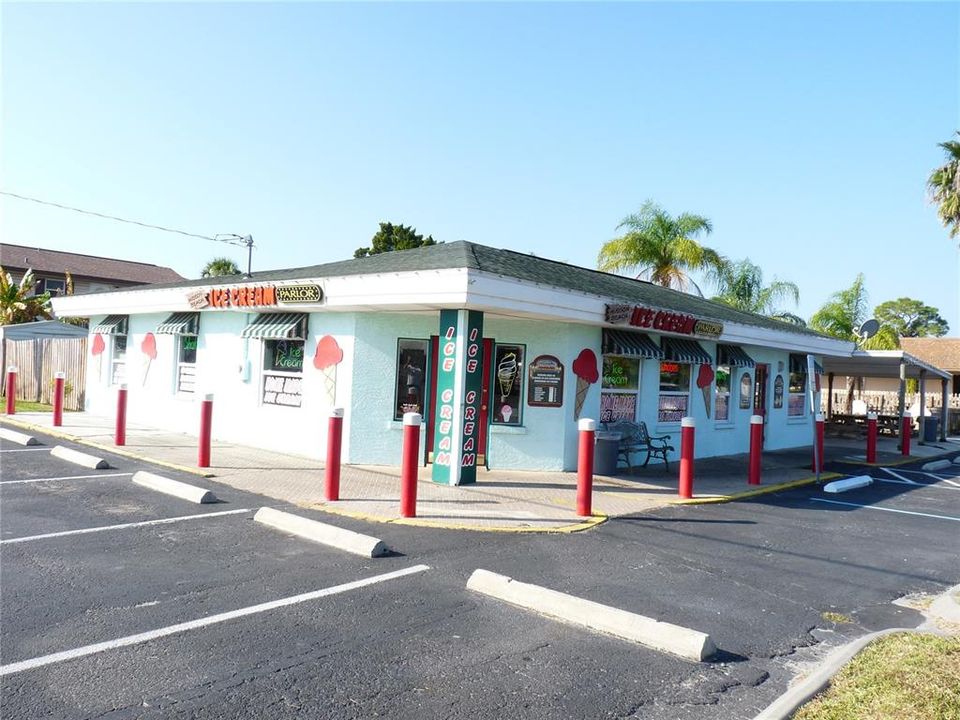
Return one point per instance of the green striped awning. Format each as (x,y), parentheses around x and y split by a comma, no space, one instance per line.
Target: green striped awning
(635,344)
(185,323)
(686,351)
(277,326)
(733,355)
(111,325)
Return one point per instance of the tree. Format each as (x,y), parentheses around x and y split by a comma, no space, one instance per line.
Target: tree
(911,318)
(944,187)
(661,248)
(842,315)
(220,266)
(740,285)
(392,237)
(17,304)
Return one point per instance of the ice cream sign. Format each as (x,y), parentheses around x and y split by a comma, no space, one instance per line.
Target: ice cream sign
(653,319)
(459,386)
(244,296)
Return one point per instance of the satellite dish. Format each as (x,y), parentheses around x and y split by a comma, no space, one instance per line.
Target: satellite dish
(868,329)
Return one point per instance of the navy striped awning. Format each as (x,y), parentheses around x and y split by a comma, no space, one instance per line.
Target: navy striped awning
(185,323)
(111,325)
(277,326)
(734,356)
(798,364)
(634,344)
(686,351)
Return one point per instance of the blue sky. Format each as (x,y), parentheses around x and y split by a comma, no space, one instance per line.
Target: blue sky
(805,132)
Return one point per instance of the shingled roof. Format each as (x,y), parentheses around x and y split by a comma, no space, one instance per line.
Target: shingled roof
(520,266)
(943,353)
(56,262)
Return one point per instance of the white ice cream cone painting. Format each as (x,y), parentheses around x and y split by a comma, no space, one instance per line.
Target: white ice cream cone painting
(326,359)
(506,412)
(507,375)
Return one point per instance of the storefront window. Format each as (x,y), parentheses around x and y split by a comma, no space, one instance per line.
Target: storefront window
(797,385)
(723,393)
(282,372)
(674,391)
(619,386)
(508,376)
(411,376)
(186,363)
(118,360)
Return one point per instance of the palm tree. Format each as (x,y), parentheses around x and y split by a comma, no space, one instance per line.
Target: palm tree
(944,187)
(17,305)
(220,266)
(660,248)
(842,315)
(740,285)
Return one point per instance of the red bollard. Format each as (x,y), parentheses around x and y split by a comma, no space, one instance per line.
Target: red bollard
(58,381)
(756,449)
(871,437)
(11,390)
(120,431)
(818,455)
(687,426)
(331,471)
(408,464)
(587,429)
(906,429)
(206,425)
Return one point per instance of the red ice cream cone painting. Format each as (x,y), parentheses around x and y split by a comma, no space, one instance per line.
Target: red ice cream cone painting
(96,349)
(326,359)
(149,348)
(704,381)
(587,372)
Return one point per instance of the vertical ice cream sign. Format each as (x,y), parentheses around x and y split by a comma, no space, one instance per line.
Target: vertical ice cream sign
(459,383)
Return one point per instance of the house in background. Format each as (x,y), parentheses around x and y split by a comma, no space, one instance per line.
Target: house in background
(90,273)
(943,353)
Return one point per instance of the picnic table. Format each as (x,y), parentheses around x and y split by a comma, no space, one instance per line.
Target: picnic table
(842,423)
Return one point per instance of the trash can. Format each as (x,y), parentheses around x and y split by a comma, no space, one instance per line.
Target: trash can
(605,453)
(930,423)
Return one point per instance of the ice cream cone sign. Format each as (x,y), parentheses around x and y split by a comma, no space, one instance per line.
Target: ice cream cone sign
(704,382)
(587,372)
(96,349)
(326,359)
(149,348)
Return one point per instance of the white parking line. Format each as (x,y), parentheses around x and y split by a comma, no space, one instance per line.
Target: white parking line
(40,449)
(203,622)
(933,486)
(874,507)
(65,477)
(897,475)
(121,526)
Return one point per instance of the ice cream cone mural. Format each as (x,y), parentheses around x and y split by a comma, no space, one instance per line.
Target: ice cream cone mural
(585,368)
(506,412)
(96,349)
(704,382)
(149,348)
(507,375)
(326,359)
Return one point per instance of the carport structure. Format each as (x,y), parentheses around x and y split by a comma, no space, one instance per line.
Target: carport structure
(889,364)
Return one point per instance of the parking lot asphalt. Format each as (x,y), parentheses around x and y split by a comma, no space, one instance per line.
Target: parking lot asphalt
(756,575)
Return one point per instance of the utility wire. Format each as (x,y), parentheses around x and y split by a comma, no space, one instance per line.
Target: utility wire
(228,238)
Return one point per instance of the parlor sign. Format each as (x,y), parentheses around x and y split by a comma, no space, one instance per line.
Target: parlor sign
(245,296)
(653,319)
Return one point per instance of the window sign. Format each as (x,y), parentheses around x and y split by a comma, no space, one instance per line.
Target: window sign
(797,386)
(778,392)
(186,363)
(282,372)
(411,376)
(674,392)
(722,380)
(118,360)
(746,391)
(620,373)
(617,406)
(545,386)
(508,378)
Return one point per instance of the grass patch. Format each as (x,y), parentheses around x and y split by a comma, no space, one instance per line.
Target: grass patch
(27,406)
(835,617)
(905,676)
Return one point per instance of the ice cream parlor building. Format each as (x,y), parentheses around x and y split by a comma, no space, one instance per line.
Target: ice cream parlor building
(500,352)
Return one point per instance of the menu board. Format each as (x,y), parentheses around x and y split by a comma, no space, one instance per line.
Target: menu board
(281,390)
(545,385)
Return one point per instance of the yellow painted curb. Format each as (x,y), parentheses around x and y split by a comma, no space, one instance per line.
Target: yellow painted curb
(903,461)
(106,448)
(597,519)
(758,491)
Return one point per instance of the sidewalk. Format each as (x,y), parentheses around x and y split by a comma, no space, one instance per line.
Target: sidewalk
(501,500)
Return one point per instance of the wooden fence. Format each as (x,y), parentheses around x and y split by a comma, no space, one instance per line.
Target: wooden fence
(36,362)
(885,401)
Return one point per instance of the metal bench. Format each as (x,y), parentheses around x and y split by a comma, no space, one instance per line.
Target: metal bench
(635,438)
